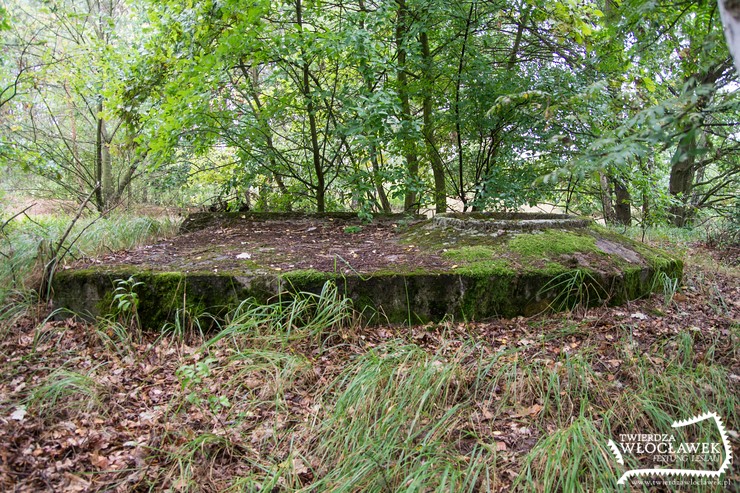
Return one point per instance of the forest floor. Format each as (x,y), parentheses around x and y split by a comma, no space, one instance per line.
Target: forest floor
(525,404)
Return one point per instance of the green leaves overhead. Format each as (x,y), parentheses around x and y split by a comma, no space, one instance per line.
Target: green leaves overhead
(386,105)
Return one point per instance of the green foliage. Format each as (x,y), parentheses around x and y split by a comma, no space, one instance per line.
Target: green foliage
(287,106)
(125,299)
(192,380)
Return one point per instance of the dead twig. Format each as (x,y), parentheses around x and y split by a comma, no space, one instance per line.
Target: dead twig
(14,216)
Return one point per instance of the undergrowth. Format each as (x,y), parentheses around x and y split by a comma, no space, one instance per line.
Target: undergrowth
(26,243)
(296,396)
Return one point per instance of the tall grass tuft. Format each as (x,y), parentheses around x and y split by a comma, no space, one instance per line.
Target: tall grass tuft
(389,428)
(573,459)
(64,391)
(577,289)
(26,243)
(303,316)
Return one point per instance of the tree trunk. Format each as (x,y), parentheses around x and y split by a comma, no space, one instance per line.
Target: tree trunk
(682,178)
(409,146)
(458,123)
(440,193)
(320,186)
(683,164)
(623,203)
(99,201)
(606,199)
(106,164)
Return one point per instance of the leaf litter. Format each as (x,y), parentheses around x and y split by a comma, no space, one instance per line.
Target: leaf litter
(176,415)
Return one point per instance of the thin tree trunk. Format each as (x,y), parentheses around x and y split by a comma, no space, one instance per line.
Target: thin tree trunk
(458,124)
(517,42)
(106,164)
(99,201)
(440,193)
(623,203)
(409,146)
(320,186)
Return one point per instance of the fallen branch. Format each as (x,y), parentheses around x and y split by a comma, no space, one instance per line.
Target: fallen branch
(14,216)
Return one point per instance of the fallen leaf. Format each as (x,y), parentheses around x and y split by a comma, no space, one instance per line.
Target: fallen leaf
(19,414)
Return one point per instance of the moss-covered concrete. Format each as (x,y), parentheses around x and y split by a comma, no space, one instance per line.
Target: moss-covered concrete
(486,275)
(508,221)
(201,220)
(89,292)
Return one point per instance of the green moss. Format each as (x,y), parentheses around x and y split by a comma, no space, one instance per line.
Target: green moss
(470,253)
(552,268)
(551,242)
(488,295)
(304,278)
(498,267)
(633,286)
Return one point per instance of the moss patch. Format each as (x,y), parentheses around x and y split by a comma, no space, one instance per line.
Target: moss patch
(306,279)
(498,267)
(551,242)
(475,253)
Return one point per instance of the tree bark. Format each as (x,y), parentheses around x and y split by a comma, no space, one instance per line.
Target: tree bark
(683,164)
(606,199)
(440,193)
(320,186)
(107,165)
(410,202)
(682,178)
(99,200)
(623,203)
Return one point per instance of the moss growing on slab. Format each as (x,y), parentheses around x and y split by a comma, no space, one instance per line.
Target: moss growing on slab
(498,267)
(552,269)
(482,275)
(305,280)
(470,253)
(551,242)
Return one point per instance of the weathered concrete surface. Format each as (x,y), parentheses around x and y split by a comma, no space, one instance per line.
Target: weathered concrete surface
(382,298)
(202,220)
(513,221)
(488,275)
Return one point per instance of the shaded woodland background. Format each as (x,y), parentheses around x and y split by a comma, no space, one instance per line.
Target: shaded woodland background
(626,110)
